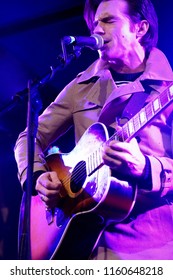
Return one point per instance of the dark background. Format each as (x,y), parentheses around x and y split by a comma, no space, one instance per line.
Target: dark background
(30,34)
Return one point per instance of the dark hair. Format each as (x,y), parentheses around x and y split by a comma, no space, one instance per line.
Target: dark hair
(138,10)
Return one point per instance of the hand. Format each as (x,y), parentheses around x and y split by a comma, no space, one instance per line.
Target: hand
(48,187)
(125,158)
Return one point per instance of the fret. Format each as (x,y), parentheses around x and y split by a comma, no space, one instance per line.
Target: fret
(156,104)
(131,127)
(164,98)
(136,122)
(149,111)
(142,116)
(171,92)
(118,135)
(125,132)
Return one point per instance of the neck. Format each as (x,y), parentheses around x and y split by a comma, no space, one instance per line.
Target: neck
(130,63)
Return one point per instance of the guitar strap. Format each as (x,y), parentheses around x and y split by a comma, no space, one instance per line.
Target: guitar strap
(135,104)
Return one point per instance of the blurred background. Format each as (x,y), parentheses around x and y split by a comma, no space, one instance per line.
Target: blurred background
(30,42)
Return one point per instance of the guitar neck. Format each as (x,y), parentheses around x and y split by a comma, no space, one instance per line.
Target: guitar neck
(130,129)
(146,114)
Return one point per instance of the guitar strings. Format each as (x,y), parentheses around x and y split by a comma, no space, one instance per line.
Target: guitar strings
(77,175)
(122,135)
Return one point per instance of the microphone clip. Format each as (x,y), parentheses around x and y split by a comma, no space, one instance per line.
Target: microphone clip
(70,51)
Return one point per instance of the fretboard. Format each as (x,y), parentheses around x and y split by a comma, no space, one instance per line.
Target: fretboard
(137,122)
(145,115)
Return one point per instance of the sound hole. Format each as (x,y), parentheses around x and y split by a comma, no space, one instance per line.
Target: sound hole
(78,177)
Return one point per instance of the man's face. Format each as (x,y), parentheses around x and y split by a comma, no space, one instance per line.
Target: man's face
(119,33)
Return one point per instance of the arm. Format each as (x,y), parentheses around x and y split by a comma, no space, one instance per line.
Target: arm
(151,165)
(52,123)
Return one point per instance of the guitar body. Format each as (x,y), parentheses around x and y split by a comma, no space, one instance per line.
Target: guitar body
(88,189)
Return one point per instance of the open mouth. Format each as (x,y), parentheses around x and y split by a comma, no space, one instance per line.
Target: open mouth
(106,42)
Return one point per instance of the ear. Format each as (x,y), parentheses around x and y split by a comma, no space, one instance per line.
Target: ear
(142,28)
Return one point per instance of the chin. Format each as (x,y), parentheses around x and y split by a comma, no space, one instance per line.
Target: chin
(103,55)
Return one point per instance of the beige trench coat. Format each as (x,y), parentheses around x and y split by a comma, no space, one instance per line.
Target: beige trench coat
(93,96)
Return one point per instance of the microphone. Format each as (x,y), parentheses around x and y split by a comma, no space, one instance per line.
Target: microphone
(94,42)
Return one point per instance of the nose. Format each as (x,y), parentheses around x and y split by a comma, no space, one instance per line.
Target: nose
(98,29)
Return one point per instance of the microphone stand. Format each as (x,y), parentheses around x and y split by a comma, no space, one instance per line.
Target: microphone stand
(34,106)
(63,60)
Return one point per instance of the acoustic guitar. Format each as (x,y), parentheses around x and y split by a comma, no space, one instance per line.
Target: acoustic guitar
(89,189)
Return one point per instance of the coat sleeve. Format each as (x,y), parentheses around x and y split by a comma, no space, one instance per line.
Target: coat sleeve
(160,147)
(162,174)
(53,122)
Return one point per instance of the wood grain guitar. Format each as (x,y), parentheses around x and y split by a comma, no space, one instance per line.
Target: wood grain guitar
(88,187)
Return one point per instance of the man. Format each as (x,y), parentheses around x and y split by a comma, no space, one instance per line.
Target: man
(129,68)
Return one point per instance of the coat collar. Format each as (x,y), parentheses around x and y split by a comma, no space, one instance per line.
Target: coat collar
(157,68)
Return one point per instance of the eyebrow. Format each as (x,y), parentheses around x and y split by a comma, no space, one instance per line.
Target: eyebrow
(105,18)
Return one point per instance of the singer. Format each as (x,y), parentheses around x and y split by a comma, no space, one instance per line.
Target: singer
(121,184)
